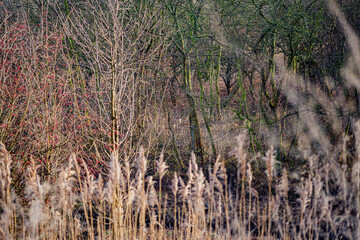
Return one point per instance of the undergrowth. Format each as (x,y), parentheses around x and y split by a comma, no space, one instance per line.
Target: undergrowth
(130,200)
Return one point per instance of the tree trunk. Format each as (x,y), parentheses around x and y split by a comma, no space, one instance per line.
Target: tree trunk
(195,133)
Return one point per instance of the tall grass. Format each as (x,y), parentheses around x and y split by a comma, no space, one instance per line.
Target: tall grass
(323,204)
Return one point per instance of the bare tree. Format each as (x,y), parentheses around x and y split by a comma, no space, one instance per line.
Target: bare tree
(119,43)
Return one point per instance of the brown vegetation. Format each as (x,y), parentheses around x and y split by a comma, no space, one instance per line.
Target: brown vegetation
(115,124)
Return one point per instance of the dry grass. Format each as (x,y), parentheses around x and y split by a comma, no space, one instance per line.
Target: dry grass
(323,204)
